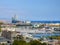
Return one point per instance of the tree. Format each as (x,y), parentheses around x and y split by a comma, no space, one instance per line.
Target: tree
(41,26)
(15,42)
(44,44)
(19,37)
(0,25)
(35,42)
(2,44)
(20,42)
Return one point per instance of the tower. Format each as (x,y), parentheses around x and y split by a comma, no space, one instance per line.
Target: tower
(14,19)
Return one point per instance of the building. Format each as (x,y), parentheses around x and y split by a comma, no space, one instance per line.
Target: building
(14,19)
(24,26)
(3,40)
(53,42)
(9,34)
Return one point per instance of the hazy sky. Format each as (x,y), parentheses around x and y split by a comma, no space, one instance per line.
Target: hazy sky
(30,9)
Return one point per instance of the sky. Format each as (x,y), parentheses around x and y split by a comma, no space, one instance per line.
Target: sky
(36,10)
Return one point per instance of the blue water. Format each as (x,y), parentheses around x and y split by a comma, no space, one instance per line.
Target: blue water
(45,21)
(45,35)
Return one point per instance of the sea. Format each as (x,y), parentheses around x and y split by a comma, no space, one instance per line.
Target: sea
(45,21)
(40,35)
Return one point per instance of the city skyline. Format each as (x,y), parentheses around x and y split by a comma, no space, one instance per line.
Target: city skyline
(36,10)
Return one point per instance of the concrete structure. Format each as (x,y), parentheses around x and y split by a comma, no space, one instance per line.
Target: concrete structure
(9,34)
(24,26)
(3,40)
(53,42)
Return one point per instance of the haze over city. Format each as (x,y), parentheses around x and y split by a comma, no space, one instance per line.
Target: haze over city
(30,9)
(29,22)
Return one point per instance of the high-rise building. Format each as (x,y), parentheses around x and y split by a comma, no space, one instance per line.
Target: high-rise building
(9,34)
(14,19)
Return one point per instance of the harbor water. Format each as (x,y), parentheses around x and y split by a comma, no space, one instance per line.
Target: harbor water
(39,35)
